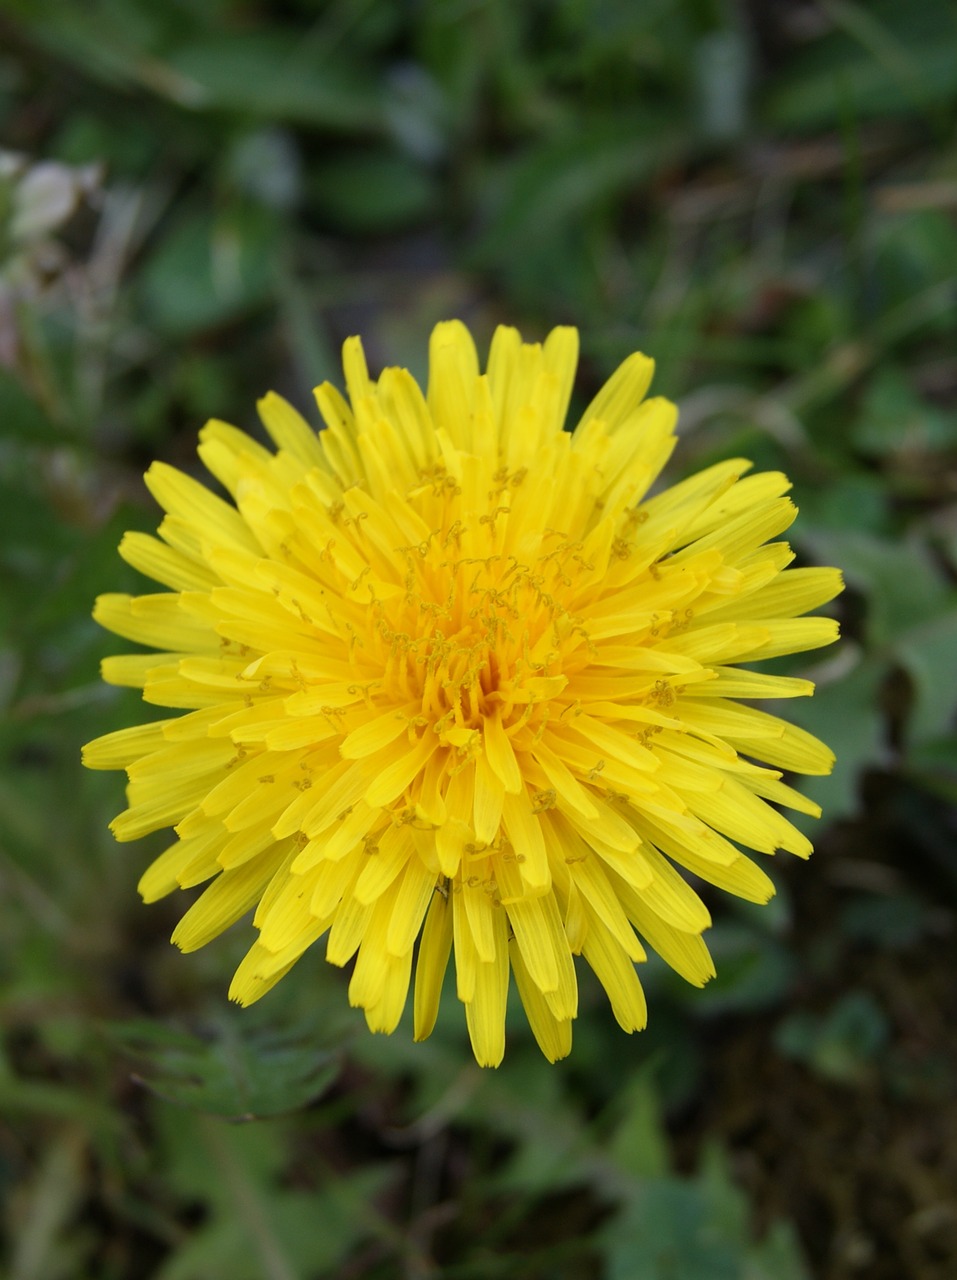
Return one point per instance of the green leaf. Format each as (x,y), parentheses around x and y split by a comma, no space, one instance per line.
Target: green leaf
(550,1139)
(551,186)
(901,583)
(255,1225)
(853,501)
(840,1045)
(211,268)
(933,765)
(45,1237)
(233,1070)
(272,74)
(846,714)
(696,1229)
(895,920)
(894,420)
(927,653)
(880,60)
(754,972)
(372,191)
(640,1142)
(111,40)
(913,253)
(664,1234)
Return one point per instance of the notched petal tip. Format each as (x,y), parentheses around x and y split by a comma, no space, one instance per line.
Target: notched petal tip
(356,369)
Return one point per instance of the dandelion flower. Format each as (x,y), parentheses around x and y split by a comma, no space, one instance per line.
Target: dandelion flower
(448,680)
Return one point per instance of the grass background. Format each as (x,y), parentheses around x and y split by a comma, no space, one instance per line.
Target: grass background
(202,201)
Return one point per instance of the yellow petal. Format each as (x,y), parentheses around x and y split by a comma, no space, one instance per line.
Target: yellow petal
(485,1012)
(617,975)
(554,1036)
(431,962)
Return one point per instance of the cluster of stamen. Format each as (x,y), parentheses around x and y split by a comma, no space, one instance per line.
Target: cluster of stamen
(464,638)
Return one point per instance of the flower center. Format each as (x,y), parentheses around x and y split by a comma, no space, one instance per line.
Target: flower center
(469,639)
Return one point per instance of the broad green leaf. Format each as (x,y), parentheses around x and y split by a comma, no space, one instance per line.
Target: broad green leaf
(231,1070)
(847,715)
(639,1142)
(371,191)
(840,1045)
(852,500)
(272,74)
(878,60)
(914,256)
(552,1146)
(113,41)
(664,1233)
(255,1224)
(901,583)
(695,1229)
(210,268)
(777,1256)
(933,765)
(928,654)
(754,972)
(894,920)
(548,187)
(894,420)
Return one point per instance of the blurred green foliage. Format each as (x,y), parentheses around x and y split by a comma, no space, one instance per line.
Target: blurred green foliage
(198,202)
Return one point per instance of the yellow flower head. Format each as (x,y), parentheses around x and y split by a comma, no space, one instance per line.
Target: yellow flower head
(451,679)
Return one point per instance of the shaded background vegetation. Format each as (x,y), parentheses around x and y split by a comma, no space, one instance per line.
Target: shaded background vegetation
(197,203)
